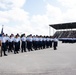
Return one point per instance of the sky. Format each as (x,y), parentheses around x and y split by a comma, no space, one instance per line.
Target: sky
(35,16)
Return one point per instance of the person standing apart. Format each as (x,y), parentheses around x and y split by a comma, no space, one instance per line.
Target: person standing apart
(55,43)
(0,45)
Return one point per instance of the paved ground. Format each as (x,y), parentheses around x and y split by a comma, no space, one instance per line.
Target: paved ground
(41,62)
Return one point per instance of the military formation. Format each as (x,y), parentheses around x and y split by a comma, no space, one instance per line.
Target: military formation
(22,43)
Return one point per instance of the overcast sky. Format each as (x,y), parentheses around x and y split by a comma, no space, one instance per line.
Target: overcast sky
(34,16)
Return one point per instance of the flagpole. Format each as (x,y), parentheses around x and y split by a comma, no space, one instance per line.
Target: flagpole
(2,26)
(2,29)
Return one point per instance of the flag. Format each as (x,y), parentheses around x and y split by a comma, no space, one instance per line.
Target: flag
(2,30)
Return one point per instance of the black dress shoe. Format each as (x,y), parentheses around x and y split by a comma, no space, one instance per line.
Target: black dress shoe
(17,52)
(14,52)
(5,54)
(24,51)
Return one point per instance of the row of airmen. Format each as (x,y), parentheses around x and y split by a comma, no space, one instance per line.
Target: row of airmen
(17,43)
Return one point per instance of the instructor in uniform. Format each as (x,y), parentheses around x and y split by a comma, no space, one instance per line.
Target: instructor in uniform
(55,43)
(0,45)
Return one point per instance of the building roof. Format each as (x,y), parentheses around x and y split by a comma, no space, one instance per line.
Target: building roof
(71,25)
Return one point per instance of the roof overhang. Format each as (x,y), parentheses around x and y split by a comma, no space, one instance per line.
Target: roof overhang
(64,26)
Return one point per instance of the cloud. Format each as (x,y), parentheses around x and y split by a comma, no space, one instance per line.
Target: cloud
(4,17)
(54,14)
(18,3)
(70,15)
(15,12)
(40,19)
(70,10)
(9,4)
(40,24)
(18,14)
(68,3)
(3,20)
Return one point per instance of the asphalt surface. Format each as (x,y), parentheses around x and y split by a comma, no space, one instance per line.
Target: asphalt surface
(41,62)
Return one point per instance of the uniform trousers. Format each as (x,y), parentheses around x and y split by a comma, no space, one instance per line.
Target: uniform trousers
(16,48)
(4,48)
(23,46)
